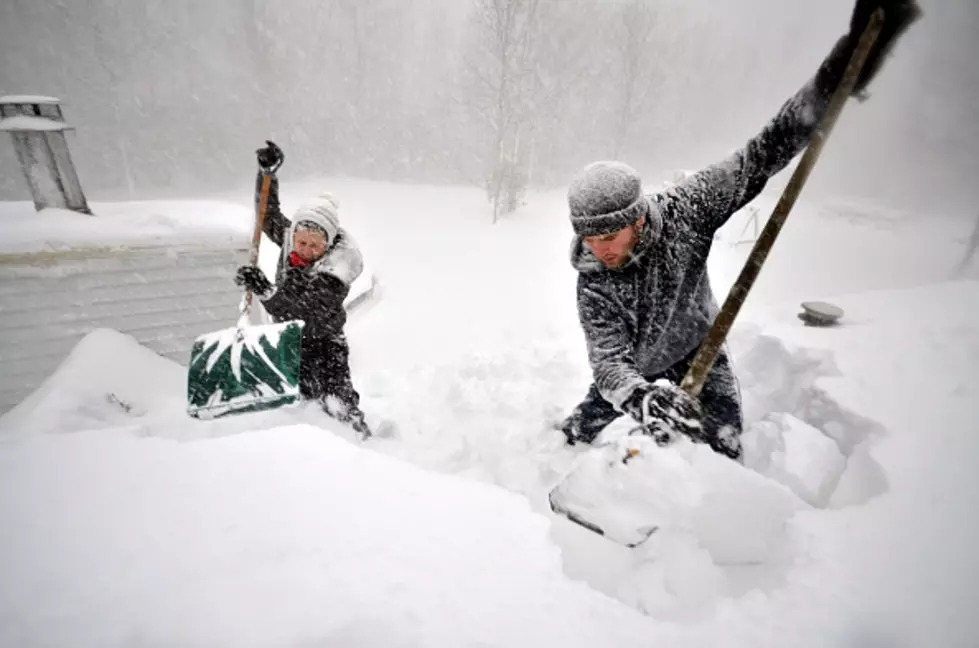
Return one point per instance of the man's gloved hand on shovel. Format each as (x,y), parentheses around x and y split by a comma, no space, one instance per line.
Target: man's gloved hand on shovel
(898,16)
(665,410)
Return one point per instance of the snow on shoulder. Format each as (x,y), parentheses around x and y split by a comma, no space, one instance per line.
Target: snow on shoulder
(287,536)
(124,224)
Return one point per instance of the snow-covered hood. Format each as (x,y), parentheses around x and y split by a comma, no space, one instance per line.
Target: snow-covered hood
(584,260)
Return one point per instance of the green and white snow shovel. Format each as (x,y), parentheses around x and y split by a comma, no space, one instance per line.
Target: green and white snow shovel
(246,368)
(599,494)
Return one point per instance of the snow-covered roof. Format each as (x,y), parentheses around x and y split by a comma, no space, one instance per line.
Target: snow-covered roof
(32,123)
(124,225)
(29,99)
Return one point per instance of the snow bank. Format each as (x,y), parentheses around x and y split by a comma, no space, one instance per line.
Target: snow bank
(248,538)
(898,398)
(288,536)
(124,224)
(108,379)
(796,454)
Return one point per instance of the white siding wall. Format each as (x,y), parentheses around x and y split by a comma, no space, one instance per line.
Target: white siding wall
(163,297)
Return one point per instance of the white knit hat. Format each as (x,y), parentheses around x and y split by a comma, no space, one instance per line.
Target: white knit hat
(323,213)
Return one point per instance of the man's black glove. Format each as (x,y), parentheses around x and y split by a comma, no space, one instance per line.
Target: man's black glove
(255,280)
(664,410)
(271,157)
(898,16)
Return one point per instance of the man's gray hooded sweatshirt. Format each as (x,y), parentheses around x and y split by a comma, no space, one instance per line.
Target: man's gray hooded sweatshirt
(648,315)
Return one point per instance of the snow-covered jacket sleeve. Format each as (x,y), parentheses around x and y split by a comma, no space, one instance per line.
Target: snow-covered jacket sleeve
(276,224)
(316,298)
(712,195)
(609,341)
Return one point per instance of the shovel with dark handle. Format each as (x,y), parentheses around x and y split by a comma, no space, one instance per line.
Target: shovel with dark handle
(707,354)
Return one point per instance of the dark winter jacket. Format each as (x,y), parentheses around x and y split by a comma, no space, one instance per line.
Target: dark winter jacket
(315,293)
(646,316)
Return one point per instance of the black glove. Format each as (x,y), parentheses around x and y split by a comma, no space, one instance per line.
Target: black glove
(271,157)
(898,16)
(255,280)
(663,409)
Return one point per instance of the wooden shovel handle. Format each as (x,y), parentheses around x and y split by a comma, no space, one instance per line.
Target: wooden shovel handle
(694,381)
(263,204)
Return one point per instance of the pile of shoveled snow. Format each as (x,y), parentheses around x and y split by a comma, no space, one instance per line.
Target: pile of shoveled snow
(292,535)
(868,425)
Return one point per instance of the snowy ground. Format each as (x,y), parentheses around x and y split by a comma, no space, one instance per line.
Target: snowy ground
(854,525)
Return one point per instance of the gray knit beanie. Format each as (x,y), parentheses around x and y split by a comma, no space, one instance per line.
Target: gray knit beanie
(605,197)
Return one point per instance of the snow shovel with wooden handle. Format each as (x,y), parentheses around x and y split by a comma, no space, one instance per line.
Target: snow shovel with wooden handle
(702,363)
(693,381)
(246,368)
(562,498)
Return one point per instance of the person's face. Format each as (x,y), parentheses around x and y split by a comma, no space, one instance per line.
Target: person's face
(613,249)
(309,245)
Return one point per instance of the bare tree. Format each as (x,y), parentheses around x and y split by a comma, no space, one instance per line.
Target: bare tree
(502,65)
(971,248)
(638,19)
(564,66)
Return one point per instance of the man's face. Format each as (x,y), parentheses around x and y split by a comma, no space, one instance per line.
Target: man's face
(613,249)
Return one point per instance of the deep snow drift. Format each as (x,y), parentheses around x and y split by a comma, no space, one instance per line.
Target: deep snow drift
(280,537)
(125,521)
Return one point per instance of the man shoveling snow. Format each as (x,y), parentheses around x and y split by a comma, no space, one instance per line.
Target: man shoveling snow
(644,298)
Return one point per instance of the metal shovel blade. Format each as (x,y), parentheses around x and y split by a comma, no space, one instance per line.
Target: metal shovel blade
(610,496)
